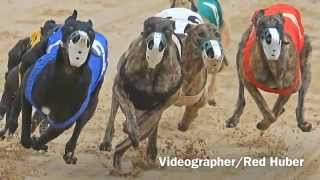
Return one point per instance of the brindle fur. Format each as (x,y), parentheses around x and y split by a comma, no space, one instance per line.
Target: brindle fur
(135,78)
(277,74)
(225,39)
(194,83)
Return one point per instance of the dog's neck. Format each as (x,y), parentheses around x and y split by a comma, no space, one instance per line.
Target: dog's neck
(193,67)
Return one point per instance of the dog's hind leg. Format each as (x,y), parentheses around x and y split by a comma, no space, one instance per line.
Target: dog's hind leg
(106,145)
(241,103)
(268,116)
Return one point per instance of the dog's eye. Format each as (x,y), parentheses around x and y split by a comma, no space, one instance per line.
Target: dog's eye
(217,34)
(202,34)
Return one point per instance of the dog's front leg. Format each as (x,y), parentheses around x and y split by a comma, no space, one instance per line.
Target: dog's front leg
(269,117)
(39,143)
(306,79)
(106,145)
(69,157)
(212,89)
(26,122)
(128,109)
(147,124)
(241,102)
(13,113)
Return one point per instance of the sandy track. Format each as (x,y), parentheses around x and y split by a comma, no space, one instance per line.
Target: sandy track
(121,21)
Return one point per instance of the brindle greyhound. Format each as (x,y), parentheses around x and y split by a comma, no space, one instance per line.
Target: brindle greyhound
(149,73)
(12,78)
(219,20)
(63,82)
(191,94)
(273,56)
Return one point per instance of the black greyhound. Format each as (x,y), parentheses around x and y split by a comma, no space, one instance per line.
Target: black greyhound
(12,75)
(63,82)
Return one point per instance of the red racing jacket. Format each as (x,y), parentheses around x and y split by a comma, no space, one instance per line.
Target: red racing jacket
(294,28)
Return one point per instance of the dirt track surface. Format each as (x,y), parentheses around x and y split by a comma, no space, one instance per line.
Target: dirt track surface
(121,21)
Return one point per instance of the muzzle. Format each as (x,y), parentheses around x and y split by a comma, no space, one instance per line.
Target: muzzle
(271,43)
(78,48)
(156,44)
(212,51)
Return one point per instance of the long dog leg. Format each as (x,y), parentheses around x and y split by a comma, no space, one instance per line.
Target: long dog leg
(278,106)
(269,117)
(26,140)
(70,148)
(241,103)
(306,79)
(128,109)
(147,124)
(190,113)
(212,89)
(106,145)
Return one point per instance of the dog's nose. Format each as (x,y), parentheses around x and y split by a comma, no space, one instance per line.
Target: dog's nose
(210,53)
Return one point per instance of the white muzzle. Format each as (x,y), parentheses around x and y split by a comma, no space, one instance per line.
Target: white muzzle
(271,44)
(212,50)
(78,48)
(155,49)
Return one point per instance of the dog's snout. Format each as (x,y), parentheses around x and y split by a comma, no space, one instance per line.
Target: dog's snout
(210,53)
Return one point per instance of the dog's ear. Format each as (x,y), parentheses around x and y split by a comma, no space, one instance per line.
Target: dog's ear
(74,14)
(173,4)
(90,23)
(188,28)
(193,6)
(257,16)
(173,24)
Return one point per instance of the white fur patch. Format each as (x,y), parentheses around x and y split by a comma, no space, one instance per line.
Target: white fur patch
(45,110)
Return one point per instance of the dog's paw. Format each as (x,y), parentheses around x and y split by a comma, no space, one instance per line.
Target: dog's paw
(212,102)
(263,125)
(69,158)
(26,142)
(105,146)
(37,146)
(305,126)
(232,123)
(134,137)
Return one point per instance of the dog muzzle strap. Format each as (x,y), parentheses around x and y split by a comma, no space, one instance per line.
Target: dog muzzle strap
(212,50)
(78,50)
(271,44)
(155,49)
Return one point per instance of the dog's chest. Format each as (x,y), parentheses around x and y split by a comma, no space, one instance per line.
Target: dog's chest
(60,97)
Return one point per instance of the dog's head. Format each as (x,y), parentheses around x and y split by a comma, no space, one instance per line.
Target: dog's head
(78,37)
(269,34)
(207,40)
(157,33)
(49,27)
